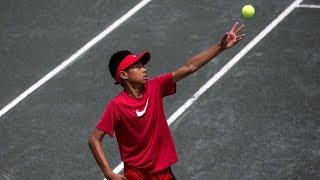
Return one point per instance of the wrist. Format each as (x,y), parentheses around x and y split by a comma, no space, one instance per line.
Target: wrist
(222,47)
(108,174)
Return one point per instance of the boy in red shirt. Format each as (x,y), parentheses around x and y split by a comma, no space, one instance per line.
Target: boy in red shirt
(137,117)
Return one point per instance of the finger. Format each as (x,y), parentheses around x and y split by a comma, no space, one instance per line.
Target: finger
(237,40)
(239,29)
(234,26)
(242,35)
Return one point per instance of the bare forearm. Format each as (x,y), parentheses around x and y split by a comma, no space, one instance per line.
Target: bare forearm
(99,155)
(196,62)
(204,57)
(231,38)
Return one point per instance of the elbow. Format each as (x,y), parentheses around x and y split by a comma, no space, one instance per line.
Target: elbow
(95,137)
(92,140)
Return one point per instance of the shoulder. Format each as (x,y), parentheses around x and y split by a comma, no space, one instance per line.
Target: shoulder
(116,100)
(113,102)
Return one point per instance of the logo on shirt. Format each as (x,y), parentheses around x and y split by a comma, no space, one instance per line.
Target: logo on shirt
(141,113)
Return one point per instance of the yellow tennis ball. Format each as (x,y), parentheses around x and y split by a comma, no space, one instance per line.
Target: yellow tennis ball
(248,11)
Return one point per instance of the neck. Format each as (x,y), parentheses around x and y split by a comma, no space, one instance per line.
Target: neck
(134,90)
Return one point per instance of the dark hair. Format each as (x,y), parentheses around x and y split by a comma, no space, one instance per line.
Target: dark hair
(115,60)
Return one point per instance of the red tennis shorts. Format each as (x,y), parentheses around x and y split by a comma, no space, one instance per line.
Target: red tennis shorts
(132,173)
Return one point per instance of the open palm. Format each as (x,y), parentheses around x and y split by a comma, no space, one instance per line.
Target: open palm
(233,36)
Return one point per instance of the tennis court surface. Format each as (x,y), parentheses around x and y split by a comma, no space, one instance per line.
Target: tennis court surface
(260,120)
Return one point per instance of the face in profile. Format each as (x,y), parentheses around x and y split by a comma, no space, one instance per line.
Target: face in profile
(136,73)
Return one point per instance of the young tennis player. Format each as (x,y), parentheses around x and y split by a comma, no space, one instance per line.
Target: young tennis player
(136,114)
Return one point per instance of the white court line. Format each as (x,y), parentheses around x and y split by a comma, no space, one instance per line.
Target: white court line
(308,6)
(226,67)
(73,57)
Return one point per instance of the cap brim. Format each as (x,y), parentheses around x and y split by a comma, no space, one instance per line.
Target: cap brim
(144,57)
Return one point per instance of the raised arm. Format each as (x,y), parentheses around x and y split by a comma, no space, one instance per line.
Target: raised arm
(231,38)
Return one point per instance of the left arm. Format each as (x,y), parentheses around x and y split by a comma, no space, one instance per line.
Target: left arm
(196,62)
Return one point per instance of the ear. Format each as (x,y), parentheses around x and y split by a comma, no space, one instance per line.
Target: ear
(123,75)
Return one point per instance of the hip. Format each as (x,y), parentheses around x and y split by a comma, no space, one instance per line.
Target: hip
(132,173)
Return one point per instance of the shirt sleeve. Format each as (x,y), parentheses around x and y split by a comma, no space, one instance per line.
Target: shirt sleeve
(108,120)
(166,84)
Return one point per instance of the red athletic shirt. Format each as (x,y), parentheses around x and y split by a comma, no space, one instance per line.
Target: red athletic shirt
(141,127)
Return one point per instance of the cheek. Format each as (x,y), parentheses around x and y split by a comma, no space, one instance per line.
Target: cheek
(135,74)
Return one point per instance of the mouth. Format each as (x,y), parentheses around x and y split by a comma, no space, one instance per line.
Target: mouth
(146,77)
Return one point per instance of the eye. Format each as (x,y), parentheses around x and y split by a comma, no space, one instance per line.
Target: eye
(139,65)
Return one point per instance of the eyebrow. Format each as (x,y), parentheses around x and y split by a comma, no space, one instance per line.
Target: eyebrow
(135,64)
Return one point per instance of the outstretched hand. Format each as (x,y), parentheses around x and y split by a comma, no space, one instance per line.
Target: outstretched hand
(233,36)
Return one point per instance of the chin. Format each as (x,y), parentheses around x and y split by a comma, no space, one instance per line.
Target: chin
(144,80)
